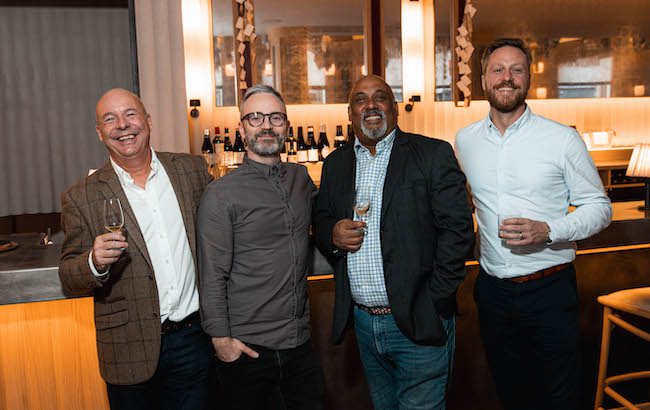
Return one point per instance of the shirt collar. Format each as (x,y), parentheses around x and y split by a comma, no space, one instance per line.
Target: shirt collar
(264,169)
(385,143)
(126,177)
(521,121)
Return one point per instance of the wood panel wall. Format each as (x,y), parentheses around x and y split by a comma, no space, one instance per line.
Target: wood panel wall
(48,357)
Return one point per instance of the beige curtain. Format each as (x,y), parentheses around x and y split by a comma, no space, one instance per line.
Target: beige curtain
(54,65)
(161,67)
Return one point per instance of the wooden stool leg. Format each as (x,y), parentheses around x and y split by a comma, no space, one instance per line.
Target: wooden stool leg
(604,356)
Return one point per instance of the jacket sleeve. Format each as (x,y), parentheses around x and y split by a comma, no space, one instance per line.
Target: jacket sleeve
(453,220)
(74,270)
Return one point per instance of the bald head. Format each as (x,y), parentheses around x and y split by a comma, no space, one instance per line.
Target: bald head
(372,109)
(124,126)
(113,94)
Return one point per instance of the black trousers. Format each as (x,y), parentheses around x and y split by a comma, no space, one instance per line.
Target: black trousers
(530,332)
(277,379)
(183,380)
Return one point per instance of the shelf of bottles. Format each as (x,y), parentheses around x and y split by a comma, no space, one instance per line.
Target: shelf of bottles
(223,155)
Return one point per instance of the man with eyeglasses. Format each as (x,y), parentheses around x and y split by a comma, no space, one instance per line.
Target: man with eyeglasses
(253,244)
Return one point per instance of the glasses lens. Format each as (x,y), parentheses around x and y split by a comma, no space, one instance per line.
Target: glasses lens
(255,119)
(276,119)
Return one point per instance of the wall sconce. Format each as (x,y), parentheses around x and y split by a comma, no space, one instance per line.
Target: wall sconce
(639,166)
(540,92)
(194,103)
(414,98)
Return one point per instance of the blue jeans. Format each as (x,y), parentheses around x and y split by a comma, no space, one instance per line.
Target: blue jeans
(401,374)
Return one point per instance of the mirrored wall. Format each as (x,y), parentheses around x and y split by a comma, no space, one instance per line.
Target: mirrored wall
(312,52)
(581,48)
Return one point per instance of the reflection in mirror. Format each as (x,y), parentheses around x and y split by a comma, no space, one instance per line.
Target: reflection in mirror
(392,14)
(224,53)
(580,48)
(312,55)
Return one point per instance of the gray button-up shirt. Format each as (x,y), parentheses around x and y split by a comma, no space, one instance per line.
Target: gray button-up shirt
(253,248)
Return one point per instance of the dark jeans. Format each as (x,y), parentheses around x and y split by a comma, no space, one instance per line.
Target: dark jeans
(181,381)
(531,336)
(402,375)
(277,379)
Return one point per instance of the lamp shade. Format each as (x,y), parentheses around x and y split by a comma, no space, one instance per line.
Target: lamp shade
(639,165)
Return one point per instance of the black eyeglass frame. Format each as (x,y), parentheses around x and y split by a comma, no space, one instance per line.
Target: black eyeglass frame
(247,117)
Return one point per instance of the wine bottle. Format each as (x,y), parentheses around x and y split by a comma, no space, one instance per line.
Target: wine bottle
(292,155)
(206,148)
(238,148)
(228,155)
(323,143)
(289,140)
(339,139)
(217,146)
(312,147)
(302,148)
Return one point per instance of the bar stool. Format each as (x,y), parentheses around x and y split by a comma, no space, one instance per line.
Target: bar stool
(631,301)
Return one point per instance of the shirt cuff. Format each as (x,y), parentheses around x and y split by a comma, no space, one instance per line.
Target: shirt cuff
(555,235)
(99,275)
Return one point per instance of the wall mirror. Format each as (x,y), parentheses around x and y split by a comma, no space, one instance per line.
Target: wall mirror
(581,48)
(311,54)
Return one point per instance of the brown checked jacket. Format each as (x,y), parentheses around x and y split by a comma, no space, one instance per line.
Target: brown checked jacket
(127,312)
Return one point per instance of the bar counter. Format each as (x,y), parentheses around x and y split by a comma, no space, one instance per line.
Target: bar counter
(48,355)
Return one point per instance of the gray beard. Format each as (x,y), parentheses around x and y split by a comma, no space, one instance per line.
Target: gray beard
(375,133)
(265,150)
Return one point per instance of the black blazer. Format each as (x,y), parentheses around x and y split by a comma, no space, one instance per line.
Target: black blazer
(426,233)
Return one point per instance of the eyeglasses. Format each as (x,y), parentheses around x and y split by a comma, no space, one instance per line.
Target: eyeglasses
(255,119)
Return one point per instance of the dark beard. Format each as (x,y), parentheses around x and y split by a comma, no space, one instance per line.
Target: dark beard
(508,105)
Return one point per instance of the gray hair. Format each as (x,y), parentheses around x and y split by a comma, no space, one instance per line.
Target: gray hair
(260,89)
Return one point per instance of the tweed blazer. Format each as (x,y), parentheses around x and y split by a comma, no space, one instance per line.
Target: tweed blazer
(127,311)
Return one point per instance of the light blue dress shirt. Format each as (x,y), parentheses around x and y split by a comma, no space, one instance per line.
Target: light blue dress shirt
(366,266)
(535,170)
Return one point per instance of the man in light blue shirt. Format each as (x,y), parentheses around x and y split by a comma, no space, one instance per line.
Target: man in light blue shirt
(524,171)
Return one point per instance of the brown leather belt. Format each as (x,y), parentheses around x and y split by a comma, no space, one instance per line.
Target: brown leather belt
(375,310)
(170,327)
(540,273)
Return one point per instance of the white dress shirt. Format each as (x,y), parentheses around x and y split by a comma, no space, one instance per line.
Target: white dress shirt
(534,170)
(159,218)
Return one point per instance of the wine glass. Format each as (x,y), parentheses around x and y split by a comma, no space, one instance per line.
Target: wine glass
(113,215)
(362,206)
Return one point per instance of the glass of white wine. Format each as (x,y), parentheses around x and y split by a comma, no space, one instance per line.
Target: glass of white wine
(362,206)
(113,215)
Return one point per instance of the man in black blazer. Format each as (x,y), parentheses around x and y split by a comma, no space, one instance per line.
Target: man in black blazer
(397,269)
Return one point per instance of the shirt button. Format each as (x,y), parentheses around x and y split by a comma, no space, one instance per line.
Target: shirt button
(167,261)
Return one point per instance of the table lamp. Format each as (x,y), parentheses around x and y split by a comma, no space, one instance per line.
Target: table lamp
(639,166)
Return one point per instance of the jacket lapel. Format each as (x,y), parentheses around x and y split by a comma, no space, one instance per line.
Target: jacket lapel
(184,199)
(395,169)
(113,189)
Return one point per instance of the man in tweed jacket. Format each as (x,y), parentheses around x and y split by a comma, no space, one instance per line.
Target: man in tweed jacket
(152,350)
